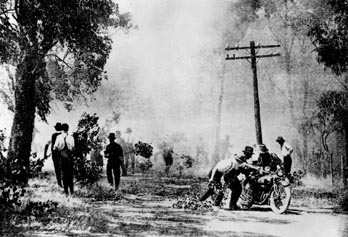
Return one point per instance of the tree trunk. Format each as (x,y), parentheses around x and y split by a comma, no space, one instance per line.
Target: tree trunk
(304,133)
(218,119)
(24,117)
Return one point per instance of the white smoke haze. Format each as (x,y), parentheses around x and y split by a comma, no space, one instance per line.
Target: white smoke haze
(164,78)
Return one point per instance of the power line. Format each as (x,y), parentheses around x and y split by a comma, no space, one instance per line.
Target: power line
(253,56)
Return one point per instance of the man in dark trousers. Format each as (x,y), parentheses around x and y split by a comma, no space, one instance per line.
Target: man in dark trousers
(55,154)
(286,150)
(114,153)
(65,145)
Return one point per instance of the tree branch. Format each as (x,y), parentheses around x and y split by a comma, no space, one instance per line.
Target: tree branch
(7,11)
(8,21)
(59,59)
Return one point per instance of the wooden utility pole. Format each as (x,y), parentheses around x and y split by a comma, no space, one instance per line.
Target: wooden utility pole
(253,56)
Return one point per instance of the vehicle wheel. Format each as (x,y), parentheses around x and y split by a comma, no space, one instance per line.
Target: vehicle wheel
(280,199)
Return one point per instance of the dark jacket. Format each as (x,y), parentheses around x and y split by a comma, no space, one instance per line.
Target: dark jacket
(114,153)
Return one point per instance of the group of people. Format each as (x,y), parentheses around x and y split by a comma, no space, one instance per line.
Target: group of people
(121,155)
(119,152)
(62,147)
(229,169)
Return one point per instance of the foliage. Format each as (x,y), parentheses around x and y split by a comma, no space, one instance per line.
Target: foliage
(188,161)
(10,197)
(143,149)
(70,35)
(59,49)
(144,165)
(35,166)
(85,171)
(329,33)
(331,116)
(185,162)
(343,200)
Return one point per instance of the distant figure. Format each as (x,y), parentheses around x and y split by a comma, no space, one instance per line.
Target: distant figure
(129,153)
(286,150)
(65,145)
(96,156)
(123,144)
(55,154)
(114,154)
(201,152)
(167,151)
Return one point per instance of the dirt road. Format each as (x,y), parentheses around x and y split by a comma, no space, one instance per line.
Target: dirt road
(149,212)
(154,216)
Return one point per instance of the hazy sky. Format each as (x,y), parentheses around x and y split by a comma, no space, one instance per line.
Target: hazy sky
(162,57)
(165,62)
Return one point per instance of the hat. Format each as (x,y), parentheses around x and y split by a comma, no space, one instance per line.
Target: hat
(128,130)
(65,127)
(58,126)
(112,135)
(263,148)
(248,150)
(280,138)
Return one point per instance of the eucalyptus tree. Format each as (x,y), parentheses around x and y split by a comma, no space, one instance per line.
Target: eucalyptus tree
(329,34)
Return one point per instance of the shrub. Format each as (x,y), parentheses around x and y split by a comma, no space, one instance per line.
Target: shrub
(144,165)
(185,162)
(85,171)
(343,200)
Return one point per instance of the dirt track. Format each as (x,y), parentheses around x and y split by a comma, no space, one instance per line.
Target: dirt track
(153,215)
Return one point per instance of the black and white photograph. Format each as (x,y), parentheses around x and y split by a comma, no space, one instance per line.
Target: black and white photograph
(207,118)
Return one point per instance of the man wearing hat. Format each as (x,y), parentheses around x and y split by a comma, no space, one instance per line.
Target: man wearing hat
(230,169)
(65,145)
(114,153)
(55,154)
(286,151)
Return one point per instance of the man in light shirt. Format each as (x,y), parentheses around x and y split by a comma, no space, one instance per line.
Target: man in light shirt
(65,144)
(55,154)
(286,151)
(230,169)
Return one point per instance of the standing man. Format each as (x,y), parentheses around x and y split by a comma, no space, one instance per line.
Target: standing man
(168,152)
(55,154)
(114,153)
(123,144)
(230,169)
(65,145)
(286,150)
